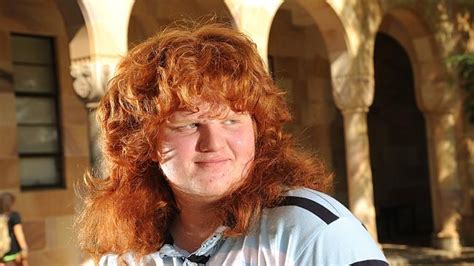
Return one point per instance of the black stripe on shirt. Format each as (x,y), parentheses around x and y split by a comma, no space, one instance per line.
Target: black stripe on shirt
(370,263)
(202,259)
(314,207)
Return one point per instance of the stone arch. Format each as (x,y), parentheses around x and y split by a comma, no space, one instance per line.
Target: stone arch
(149,16)
(76,29)
(72,16)
(79,44)
(300,50)
(437,101)
(420,44)
(333,34)
(17,18)
(399,161)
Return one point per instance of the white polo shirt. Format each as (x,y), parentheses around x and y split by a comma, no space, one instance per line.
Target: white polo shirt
(307,228)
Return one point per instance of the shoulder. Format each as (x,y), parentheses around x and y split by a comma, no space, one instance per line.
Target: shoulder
(15,218)
(319,204)
(322,230)
(129,258)
(308,207)
(306,210)
(115,259)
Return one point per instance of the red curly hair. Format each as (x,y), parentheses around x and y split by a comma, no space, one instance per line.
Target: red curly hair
(132,208)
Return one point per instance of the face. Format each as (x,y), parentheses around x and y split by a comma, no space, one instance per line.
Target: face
(203,154)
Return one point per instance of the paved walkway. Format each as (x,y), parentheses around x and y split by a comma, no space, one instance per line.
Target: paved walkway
(407,255)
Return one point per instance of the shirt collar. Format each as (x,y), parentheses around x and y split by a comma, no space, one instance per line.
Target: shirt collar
(207,248)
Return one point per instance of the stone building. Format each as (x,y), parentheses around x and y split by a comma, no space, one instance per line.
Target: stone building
(367,82)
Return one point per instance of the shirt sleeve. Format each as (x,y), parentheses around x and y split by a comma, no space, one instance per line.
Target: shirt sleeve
(15,218)
(109,260)
(343,242)
(116,260)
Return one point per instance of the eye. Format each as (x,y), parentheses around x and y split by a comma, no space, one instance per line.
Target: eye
(230,121)
(189,126)
(186,127)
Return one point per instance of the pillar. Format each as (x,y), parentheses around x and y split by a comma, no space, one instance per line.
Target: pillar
(445,187)
(353,95)
(439,102)
(107,31)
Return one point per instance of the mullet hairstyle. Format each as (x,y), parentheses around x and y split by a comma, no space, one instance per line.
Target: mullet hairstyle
(132,208)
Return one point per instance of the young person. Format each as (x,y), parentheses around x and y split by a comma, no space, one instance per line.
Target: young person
(199,169)
(18,254)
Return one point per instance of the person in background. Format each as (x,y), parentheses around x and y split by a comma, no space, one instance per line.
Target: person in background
(198,169)
(18,254)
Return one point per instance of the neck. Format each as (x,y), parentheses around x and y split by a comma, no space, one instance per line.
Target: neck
(194,224)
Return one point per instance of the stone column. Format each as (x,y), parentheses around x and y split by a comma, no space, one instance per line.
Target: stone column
(90,81)
(353,95)
(445,187)
(439,102)
(107,31)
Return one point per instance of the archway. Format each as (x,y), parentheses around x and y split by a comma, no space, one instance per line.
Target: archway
(298,60)
(150,16)
(398,149)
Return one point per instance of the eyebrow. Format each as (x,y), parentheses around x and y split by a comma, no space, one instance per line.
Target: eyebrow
(210,114)
(179,121)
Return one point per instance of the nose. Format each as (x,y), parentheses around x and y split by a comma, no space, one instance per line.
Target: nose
(211,138)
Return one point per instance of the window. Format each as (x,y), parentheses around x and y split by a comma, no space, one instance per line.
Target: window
(38,135)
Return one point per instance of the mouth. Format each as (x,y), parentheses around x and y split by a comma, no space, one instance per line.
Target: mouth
(211,162)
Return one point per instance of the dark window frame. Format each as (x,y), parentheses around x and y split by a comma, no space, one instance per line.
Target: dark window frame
(58,156)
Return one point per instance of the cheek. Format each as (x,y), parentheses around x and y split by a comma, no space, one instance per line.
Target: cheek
(176,148)
(245,142)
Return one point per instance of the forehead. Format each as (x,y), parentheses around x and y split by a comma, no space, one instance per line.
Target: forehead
(204,109)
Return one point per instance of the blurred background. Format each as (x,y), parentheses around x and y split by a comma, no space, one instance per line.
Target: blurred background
(382,90)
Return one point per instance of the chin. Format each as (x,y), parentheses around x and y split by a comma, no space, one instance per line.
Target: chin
(215,193)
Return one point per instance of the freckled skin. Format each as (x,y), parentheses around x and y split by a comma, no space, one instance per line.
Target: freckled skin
(204,155)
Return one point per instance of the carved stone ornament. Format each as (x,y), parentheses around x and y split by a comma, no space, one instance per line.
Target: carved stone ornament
(90,79)
(82,83)
(353,92)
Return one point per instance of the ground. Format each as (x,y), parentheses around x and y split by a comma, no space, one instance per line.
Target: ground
(407,255)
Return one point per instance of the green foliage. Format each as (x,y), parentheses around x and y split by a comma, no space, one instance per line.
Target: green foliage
(464,64)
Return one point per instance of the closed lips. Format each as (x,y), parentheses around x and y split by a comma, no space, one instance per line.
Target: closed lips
(210,161)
